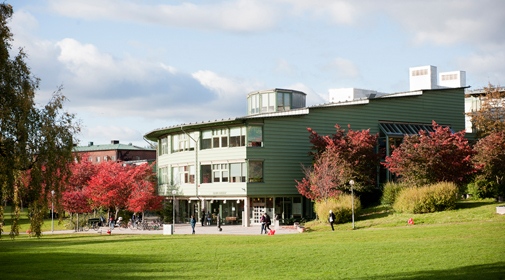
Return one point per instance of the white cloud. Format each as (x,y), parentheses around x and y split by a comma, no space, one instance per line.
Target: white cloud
(241,15)
(340,12)
(449,22)
(344,68)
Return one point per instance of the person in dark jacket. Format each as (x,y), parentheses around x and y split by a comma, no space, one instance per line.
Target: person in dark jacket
(202,219)
(268,222)
(331,219)
(192,221)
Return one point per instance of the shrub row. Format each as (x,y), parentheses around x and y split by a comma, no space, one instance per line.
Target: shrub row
(391,191)
(432,198)
(341,207)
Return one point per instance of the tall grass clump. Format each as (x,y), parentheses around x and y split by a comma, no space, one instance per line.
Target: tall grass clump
(391,191)
(341,207)
(428,199)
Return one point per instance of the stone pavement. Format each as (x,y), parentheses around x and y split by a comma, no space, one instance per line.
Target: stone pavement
(186,229)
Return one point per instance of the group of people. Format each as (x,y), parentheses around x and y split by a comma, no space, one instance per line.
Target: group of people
(265,223)
(206,219)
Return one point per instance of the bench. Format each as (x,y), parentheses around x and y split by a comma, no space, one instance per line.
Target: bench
(231,220)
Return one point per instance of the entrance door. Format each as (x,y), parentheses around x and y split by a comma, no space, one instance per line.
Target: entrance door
(256,214)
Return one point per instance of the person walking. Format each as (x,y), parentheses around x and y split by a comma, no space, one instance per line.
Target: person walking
(202,219)
(192,221)
(262,222)
(331,219)
(268,222)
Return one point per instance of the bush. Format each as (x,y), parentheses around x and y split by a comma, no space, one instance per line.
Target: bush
(428,199)
(341,207)
(480,189)
(391,191)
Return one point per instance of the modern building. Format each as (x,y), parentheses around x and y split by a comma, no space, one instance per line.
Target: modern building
(116,151)
(240,167)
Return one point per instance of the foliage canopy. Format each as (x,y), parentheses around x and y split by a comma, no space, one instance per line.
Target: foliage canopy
(35,143)
(432,157)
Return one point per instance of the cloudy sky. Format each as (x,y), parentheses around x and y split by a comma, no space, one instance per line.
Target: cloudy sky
(129,67)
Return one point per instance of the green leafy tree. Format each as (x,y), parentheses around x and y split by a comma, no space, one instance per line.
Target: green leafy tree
(490,161)
(491,115)
(432,157)
(35,143)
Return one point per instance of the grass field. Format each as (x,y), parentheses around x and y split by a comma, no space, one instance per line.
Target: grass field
(467,243)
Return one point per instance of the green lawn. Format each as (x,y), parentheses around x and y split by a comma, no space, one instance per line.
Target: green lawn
(468,243)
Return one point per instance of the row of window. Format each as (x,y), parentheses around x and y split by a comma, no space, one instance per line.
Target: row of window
(251,136)
(98,159)
(238,172)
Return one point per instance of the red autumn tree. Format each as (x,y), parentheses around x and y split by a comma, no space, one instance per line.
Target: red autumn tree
(323,179)
(490,160)
(110,186)
(143,195)
(82,171)
(74,198)
(75,201)
(432,157)
(338,158)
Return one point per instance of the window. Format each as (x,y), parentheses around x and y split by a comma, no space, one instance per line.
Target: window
(182,142)
(184,174)
(283,101)
(254,104)
(104,158)
(113,158)
(163,178)
(206,173)
(254,136)
(220,173)
(255,171)
(237,136)
(207,139)
(216,138)
(237,172)
(164,146)
(97,159)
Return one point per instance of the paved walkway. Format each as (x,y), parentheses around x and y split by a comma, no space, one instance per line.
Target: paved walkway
(186,229)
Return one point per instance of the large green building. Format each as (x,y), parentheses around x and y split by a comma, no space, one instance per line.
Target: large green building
(241,167)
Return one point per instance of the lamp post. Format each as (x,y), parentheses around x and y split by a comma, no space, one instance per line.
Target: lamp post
(52,211)
(173,210)
(352,201)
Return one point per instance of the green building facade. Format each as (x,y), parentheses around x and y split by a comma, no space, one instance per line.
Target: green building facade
(239,168)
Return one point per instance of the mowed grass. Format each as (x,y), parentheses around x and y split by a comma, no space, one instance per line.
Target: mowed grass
(438,247)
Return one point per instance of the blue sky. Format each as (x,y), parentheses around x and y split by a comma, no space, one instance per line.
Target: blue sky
(129,67)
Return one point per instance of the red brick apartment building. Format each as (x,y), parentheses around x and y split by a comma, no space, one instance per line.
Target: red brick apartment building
(116,151)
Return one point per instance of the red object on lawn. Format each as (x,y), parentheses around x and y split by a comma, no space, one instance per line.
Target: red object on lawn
(411,221)
(108,232)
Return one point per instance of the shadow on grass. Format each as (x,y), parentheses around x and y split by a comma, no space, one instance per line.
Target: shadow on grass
(485,271)
(375,213)
(467,204)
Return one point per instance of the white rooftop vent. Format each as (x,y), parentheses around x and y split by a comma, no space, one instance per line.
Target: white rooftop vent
(423,77)
(453,79)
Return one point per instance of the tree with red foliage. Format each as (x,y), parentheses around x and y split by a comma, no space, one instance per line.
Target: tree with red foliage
(338,159)
(490,160)
(74,198)
(110,186)
(75,202)
(432,157)
(323,179)
(143,195)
